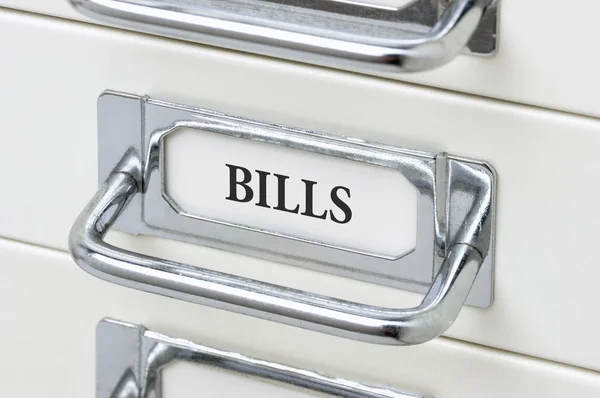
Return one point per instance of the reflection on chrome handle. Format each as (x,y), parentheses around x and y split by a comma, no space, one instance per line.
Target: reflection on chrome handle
(432,317)
(196,22)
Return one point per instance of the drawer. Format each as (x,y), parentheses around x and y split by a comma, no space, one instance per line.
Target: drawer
(546,164)
(536,63)
(57,315)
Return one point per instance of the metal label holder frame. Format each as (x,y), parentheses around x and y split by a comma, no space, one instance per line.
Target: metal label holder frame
(129,360)
(129,122)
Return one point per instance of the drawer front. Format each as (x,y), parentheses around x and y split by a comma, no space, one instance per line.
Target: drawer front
(56,307)
(546,163)
(536,63)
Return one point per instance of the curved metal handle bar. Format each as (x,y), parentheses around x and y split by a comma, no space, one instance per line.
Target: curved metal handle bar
(436,313)
(174,19)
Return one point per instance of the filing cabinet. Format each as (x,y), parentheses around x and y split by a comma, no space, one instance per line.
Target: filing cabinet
(533,120)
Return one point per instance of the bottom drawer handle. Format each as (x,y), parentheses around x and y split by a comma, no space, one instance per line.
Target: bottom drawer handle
(130,358)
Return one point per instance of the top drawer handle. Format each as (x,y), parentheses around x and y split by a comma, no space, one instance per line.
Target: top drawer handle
(432,317)
(195,22)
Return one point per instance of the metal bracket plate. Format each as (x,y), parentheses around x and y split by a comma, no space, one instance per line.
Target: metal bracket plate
(140,124)
(388,19)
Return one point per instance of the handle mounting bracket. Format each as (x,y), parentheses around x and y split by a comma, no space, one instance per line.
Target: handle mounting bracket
(452,261)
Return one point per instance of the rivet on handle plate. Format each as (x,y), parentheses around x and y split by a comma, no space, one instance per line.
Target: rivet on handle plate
(447,203)
(371,36)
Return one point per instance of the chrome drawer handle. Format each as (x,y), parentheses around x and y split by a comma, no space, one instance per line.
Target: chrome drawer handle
(432,317)
(204,24)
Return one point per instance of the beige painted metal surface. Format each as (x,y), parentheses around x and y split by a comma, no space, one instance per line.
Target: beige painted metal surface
(54,343)
(546,55)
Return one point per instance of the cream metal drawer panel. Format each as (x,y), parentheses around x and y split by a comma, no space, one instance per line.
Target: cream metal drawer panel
(546,162)
(49,310)
(545,58)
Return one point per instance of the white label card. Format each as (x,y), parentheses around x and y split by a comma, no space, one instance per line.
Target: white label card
(299,194)
(186,380)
